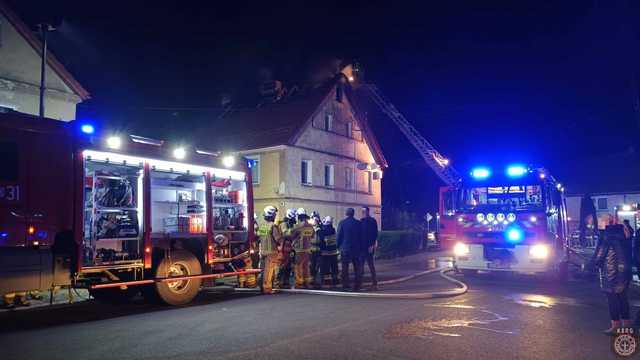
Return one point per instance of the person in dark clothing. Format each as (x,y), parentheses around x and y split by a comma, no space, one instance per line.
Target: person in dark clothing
(370,240)
(328,252)
(613,258)
(350,245)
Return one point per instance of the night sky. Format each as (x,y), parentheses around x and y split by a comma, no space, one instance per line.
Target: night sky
(545,82)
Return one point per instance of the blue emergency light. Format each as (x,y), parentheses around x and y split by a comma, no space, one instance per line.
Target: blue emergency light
(87,129)
(514,234)
(480,173)
(515,171)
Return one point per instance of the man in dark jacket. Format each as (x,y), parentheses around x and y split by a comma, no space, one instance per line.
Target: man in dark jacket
(350,245)
(370,241)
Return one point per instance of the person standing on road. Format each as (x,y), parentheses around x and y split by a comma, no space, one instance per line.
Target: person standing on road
(301,237)
(270,246)
(614,261)
(328,252)
(350,245)
(315,246)
(370,240)
(288,255)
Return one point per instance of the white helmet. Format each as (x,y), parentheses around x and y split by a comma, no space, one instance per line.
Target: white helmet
(301,211)
(270,211)
(291,213)
(327,220)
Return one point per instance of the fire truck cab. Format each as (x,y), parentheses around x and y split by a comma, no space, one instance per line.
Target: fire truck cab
(512,220)
(116,213)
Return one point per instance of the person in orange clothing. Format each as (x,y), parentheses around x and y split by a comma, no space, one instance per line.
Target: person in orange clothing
(301,236)
(270,246)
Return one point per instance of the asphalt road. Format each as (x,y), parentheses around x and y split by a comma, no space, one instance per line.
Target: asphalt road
(499,318)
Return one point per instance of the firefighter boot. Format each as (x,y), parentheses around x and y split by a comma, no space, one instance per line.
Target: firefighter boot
(9,300)
(21,299)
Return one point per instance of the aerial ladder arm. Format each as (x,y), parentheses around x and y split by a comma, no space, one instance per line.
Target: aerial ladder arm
(440,164)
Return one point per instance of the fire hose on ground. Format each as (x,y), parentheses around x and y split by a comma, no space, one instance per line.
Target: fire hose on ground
(461,289)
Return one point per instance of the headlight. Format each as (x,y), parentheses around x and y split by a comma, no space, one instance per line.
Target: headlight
(490,217)
(461,249)
(539,251)
(511,217)
(500,217)
(480,217)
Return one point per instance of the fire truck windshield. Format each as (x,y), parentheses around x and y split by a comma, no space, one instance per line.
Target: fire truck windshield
(512,197)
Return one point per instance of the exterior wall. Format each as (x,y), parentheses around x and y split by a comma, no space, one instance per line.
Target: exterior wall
(614,201)
(20,79)
(280,169)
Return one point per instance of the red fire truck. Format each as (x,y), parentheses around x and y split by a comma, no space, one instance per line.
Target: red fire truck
(117,213)
(512,220)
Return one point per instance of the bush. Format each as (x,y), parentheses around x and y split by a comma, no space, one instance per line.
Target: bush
(397,243)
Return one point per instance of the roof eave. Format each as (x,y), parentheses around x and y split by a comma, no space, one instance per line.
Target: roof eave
(36,44)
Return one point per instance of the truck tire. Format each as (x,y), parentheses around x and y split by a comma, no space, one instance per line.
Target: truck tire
(176,293)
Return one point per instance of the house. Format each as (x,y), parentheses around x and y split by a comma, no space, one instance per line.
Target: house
(20,64)
(612,182)
(312,149)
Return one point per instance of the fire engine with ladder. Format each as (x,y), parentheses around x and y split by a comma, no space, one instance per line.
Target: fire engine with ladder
(512,220)
(118,214)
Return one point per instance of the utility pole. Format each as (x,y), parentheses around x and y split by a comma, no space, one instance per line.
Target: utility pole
(44,29)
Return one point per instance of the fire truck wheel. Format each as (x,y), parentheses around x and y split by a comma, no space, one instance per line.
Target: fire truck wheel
(114,295)
(180,292)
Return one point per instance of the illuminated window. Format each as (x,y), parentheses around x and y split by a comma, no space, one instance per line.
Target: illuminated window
(349,129)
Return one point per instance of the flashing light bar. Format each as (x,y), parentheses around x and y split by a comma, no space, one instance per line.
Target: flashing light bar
(514,235)
(515,171)
(480,173)
(145,140)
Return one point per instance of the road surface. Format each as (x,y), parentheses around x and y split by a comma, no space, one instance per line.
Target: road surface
(499,318)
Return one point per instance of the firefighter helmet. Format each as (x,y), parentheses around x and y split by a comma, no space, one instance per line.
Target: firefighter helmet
(301,211)
(327,220)
(270,211)
(291,213)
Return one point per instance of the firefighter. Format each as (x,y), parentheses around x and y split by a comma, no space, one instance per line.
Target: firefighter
(315,247)
(328,252)
(270,245)
(302,235)
(288,255)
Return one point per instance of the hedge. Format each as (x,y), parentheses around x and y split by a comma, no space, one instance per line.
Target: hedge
(398,243)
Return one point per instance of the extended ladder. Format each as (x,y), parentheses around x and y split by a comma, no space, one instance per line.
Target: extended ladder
(431,156)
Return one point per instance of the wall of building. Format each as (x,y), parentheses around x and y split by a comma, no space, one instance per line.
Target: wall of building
(613,202)
(20,79)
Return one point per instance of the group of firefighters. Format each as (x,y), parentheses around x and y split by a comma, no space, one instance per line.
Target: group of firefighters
(304,244)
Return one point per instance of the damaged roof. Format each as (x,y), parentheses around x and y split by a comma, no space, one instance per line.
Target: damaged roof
(279,123)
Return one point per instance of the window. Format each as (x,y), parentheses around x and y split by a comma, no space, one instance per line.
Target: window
(349,129)
(329,175)
(348,178)
(9,155)
(369,177)
(255,168)
(602,204)
(306,173)
(328,122)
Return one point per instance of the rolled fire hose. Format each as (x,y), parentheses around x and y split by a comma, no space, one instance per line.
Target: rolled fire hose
(462,288)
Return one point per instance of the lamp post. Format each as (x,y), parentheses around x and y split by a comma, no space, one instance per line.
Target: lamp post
(44,29)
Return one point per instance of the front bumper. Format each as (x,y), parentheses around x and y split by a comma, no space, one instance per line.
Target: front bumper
(519,260)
